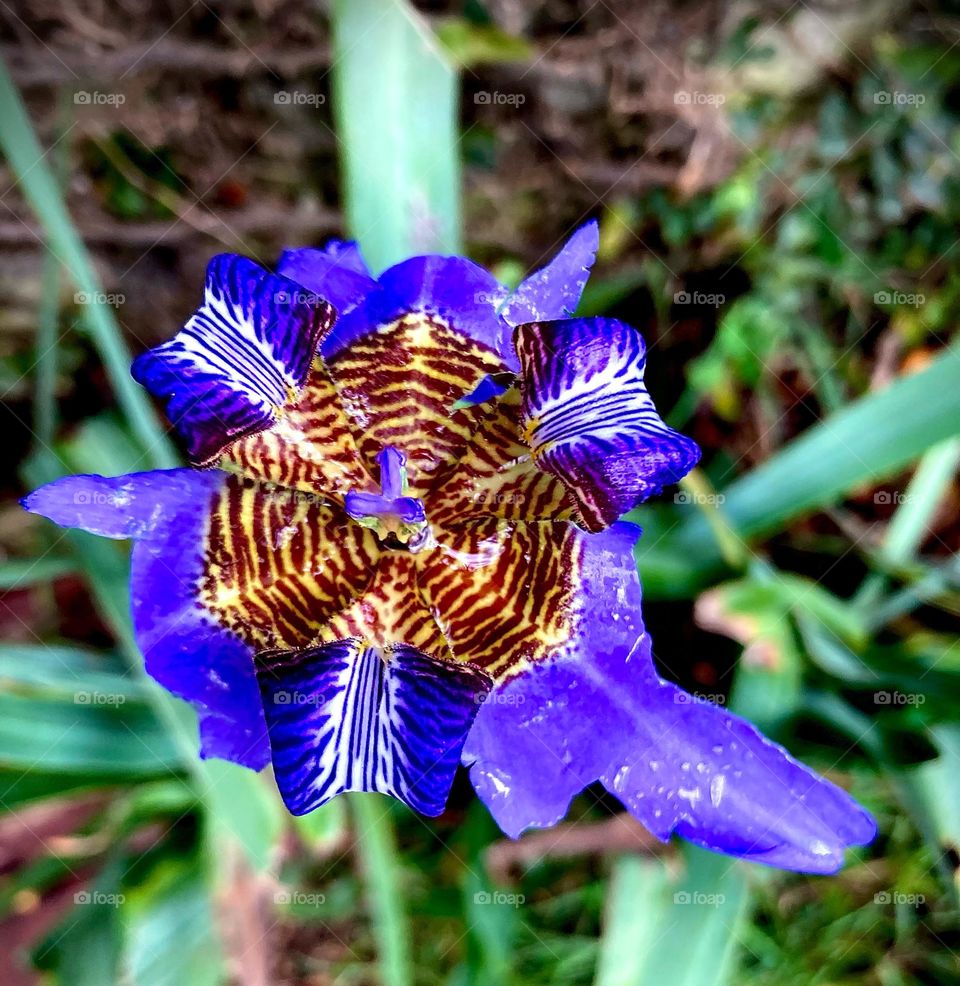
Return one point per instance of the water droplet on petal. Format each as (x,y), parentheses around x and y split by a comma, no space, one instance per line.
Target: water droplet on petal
(717,785)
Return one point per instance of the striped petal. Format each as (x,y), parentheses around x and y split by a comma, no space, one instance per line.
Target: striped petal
(184,646)
(507,595)
(554,291)
(346,716)
(495,476)
(589,420)
(240,357)
(427,336)
(222,567)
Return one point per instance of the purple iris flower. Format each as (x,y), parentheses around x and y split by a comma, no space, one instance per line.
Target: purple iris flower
(400,550)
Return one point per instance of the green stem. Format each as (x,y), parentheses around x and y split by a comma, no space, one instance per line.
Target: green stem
(378,855)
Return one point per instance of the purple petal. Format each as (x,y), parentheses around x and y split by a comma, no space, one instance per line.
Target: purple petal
(336,272)
(184,649)
(554,291)
(710,776)
(535,745)
(455,290)
(346,717)
(239,357)
(598,710)
(589,419)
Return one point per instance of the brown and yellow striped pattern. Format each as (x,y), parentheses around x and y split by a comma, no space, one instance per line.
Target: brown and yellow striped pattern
(504,594)
(310,447)
(496,586)
(399,384)
(390,610)
(495,476)
(279,563)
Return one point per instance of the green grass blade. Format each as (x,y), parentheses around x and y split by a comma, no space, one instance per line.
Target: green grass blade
(636,887)
(867,441)
(395,106)
(30,166)
(379,855)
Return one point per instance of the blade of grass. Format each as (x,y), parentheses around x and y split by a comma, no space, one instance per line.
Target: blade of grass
(911,522)
(865,442)
(379,855)
(29,165)
(396,116)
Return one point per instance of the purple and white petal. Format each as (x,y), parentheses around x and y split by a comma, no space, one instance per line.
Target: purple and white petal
(554,291)
(348,717)
(184,649)
(589,420)
(240,357)
(336,272)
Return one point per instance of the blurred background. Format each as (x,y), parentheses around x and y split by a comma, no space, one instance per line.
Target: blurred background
(777,189)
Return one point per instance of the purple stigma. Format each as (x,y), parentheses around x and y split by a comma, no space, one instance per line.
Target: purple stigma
(389,511)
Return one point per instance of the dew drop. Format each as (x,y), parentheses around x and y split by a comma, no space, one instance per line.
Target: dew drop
(717,785)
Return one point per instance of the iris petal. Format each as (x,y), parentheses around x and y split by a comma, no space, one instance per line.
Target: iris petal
(554,291)
(596,709)
(346,716)
(401,359)
(589,420)
(185,648)
(239,357)
(708,775)
(495,476)
(222,568)
(336,272)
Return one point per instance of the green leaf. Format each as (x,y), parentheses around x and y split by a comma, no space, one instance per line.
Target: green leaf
(635,897)
(684,933)
(20,573)
(84,738)
(170,935)
(864,443)
(470,45)
(395,106)
(380,862)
